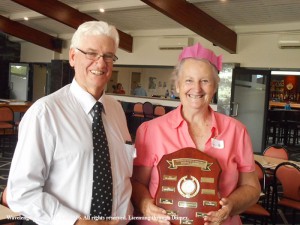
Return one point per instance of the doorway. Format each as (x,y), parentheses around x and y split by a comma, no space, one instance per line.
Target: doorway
(249,102)
(135,79)
(18,81)
(39,81)
(112,82)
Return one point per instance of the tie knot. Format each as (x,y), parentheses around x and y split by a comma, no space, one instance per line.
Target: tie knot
(98,107)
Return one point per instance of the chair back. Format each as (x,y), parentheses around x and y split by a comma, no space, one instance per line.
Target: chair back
(138,110)
(6,118)
(6,114)
(288,174)
(258,210)
(148,110)
(159,110)
(261,174)
(276,151)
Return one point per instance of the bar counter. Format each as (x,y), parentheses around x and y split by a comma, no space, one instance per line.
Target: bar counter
(155,101)
(273,104)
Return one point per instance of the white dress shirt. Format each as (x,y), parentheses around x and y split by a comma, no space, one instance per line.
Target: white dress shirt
(51,174)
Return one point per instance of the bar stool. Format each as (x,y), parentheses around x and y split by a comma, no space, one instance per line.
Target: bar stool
(293,126)
(275,126)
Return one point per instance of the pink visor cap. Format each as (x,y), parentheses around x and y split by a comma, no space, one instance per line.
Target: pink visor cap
(199,52)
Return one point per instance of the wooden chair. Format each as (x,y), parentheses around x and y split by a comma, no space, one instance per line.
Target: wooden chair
(288,174)
(159,110)
(7,124)
(258,211)
(8,130)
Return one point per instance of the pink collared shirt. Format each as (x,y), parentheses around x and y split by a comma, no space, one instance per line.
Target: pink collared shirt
(229,143)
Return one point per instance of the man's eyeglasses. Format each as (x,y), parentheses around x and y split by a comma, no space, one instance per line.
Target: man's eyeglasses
(109,58)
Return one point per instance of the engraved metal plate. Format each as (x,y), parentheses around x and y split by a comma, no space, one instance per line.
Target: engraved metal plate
(207,180)
(167,189)
(188,185)
(200,214)
(187,222)
(172,213)
(165,201)
(169,177)
(210,203)
(208,191)
(184,204)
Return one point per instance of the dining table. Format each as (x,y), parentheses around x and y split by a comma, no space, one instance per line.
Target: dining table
(16,106)
(271,162)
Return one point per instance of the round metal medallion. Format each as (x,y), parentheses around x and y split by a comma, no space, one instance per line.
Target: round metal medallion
(188,187)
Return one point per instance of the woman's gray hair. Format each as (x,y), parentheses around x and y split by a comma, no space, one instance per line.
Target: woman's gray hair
(178,67)
(94,28)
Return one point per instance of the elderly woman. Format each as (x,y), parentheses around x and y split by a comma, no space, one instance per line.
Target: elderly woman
(195,124)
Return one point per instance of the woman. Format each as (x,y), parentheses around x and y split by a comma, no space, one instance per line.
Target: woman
(119,89)
(195,124)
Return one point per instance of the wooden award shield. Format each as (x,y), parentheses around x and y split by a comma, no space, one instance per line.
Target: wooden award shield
(188,185)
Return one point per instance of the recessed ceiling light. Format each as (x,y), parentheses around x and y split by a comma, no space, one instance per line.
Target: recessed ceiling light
(102,10)
(26,18)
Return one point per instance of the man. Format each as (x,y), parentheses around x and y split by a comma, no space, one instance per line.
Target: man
(139,90)
(51,176)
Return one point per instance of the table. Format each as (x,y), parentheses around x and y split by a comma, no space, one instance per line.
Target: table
(6,214)
(270,162)
(20,107)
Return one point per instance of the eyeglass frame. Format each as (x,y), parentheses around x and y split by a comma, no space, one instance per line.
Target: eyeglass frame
(98,56)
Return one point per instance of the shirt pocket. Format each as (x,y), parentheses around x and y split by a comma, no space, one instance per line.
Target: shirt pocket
(129,155)
(123,163)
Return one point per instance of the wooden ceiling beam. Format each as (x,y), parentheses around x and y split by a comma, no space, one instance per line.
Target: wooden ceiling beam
(69,16)
(29,34)
(198,21)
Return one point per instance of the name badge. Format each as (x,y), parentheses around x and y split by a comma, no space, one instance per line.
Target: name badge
(219,144)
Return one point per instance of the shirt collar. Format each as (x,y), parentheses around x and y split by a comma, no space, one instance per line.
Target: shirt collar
(85,99)
(176,120)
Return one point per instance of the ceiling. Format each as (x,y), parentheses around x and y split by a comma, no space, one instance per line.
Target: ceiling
(134,16)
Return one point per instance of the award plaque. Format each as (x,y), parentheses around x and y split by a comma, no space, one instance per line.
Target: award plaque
(188,185)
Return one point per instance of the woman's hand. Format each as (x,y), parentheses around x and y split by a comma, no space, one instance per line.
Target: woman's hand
(218,217)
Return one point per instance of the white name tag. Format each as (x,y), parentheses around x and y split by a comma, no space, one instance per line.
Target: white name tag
(217,143)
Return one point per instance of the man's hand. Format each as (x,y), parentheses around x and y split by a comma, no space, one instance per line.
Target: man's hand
(154,214)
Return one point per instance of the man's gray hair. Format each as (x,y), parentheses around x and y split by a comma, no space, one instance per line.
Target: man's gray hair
(94,28)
